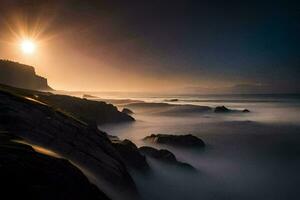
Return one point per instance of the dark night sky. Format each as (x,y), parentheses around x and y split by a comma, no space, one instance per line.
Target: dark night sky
(201,42)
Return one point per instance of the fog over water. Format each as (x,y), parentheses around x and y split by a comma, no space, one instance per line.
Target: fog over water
(252,155)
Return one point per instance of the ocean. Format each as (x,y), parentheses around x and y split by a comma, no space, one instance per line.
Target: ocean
(252,155)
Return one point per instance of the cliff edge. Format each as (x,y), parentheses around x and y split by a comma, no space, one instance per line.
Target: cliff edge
(21,76)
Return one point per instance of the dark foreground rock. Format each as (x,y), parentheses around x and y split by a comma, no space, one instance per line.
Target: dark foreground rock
(186,141)
(127,111)
(86,146)
(27,174)
(88,111)
(131,155)
(164,156)
(92,112)
(135,158)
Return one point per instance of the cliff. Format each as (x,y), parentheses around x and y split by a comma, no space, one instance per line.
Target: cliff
(21,76)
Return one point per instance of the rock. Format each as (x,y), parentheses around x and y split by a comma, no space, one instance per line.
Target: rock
(186,141)
(131,155)
(127,111)
(167,109)
(88,111)
(22,76)
(87,96)
(27,174)
(171,100)
(164,156)
(87,147)
(91,112)
(221,109)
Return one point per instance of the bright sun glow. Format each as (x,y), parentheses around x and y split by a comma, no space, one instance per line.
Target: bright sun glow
(28,46)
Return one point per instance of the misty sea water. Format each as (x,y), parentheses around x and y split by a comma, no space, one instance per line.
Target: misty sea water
(252,155)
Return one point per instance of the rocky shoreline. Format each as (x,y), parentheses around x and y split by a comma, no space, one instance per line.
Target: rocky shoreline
(43,119)
(38,122)
(67,126)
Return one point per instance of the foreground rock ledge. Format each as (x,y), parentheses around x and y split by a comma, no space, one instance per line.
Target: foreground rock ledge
(87,147)
(27,174)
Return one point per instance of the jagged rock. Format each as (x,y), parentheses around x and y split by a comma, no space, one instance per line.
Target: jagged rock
(22,76)
(127,111)
(86,146)
(131,155)
(186,141)
(222,109)
(164,156)
(27,174)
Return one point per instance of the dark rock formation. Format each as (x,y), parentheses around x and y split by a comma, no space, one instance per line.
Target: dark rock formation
(186,141)
(86,146)
(167,109)
(127,111)
(26,174)
(90,112)
(164,156)
(222,109)
(131,155)
(22,76)
(171,100)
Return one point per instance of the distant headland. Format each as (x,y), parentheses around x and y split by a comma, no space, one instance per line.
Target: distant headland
(21,76)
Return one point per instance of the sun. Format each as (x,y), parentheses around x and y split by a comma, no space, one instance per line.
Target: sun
(28,46)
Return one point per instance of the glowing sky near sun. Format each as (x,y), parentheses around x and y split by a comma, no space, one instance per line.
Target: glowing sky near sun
(202,46)
(28,46)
